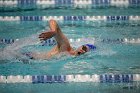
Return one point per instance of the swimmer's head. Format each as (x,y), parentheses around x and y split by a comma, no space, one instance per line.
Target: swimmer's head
(82,49)
(85,48)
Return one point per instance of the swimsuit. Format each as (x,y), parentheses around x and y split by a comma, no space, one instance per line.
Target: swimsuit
(29,55)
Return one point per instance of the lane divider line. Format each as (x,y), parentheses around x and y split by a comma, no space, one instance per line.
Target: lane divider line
(70,18)
(70,2)
(52,42)
(104,78)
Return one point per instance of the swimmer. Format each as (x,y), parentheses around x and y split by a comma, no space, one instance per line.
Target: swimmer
(63,44)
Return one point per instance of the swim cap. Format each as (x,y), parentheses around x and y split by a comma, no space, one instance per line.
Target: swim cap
(91,46)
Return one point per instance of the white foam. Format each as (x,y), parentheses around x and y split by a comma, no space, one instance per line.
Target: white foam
(19,43)
(12,51)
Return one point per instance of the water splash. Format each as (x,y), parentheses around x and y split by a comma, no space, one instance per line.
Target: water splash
(12,51)
(103,49)
(77,67)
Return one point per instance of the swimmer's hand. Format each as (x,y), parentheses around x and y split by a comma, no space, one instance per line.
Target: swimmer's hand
(47,35)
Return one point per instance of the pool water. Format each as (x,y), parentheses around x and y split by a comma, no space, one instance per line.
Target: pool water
(111,56)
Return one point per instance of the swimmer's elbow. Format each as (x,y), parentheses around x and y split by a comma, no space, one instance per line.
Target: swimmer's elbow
(53,31)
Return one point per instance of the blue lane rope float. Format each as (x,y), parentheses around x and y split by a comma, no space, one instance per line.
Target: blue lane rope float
(70,18)
(117,18)
(104,78)
(52,42)
(6,41)
(49,79)
(26,2)
(31,18)
(64,2)
(119,40)
(116,78)
(49,42)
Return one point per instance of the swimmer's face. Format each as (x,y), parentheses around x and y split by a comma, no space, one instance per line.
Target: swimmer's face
(81,50)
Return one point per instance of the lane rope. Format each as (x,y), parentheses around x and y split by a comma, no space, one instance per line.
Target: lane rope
(70,2)
(70,18)
(104,78)
(52,42)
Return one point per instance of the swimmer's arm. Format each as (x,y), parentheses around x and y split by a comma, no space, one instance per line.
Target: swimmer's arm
(72,52)
(46,55)
(40,55)
(47,35)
